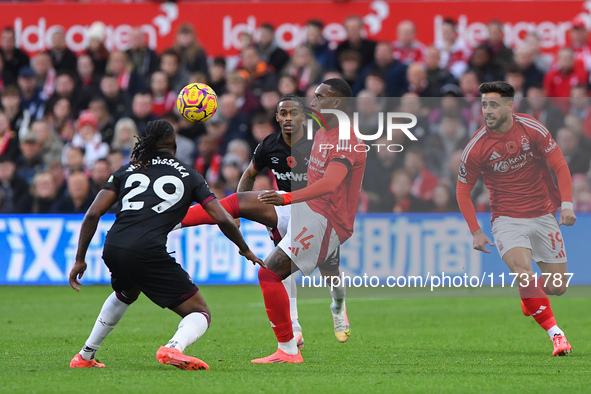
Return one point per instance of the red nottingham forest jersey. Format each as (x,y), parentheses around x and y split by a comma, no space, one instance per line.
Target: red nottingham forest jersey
(514,168)
(340,206)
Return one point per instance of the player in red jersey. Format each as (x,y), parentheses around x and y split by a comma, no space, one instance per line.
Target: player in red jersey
(512,152)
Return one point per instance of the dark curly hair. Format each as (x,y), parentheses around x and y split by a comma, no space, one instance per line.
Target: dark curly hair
(148,145)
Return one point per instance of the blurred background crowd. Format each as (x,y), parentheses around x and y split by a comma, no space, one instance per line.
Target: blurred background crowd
(68,120)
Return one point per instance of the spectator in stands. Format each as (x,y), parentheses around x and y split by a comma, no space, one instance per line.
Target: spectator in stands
(240,149)
(87,81)
(581,193)
(119,65)
(543,61)
(315,40)
(115,160)
(58,173)
(9,148)
(501,53)
(49,141)
(579,43)
(44,74)
(524,59)
(404,200)
(141,111)
(381,163)
(143,59)
(163,98)
(74,159)
(185,147)
(12,187)
(375,83)
(208,162)
(89,138)
(580,106)
(469,83)
(42,196)
(257,74)
(1,76)
(559,80)
(516,78)
(30,160)
(65,86)
(79,197)
(485,65)
(11,104)
(269,100)
(96,47)
(178,76)
(367,109)
(232,168)
(304,68)
(406,48)
(217,75)
(125,137)
(356,42)
(60,121)
(450,134)
(450,105)
(62,57)
(453,166)
(454,52)
(288,85)
(412,103)
(32,100)
(106,124)
(543,110)
(247,102)
(262,127)
(437,76)
(443,200)
(99,175)
(349,62)
(575,155)
(117,100)
(192,55)
(13,58)
(237,122)
(423,181)
(394,72)
(418,83)
(268,49)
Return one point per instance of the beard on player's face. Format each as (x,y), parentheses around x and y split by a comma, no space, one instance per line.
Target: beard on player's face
(497,121)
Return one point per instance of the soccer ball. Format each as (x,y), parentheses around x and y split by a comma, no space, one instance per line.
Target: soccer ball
(197,102)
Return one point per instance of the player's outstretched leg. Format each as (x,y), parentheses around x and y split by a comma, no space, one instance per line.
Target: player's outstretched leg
(113,309)
(196,319)
(277,305)
(342,329)
(291,288)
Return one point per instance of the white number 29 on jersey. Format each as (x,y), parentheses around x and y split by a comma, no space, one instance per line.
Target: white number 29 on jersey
(144,182)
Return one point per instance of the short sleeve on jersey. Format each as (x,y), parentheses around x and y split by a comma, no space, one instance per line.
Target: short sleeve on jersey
(258,159)
(113,183)
(201,192)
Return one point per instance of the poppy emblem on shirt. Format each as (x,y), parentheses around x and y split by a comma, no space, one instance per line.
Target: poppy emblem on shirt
(291,162)
(511,147)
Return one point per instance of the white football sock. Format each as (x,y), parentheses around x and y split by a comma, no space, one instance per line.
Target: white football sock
(112,311)
(292,292)
(290,347)
(555,330)
(191,328)
(338,294)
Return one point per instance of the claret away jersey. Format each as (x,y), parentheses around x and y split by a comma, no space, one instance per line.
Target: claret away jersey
(514,168)
(153,200)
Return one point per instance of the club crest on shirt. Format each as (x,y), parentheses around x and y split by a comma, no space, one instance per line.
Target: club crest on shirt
(524,143)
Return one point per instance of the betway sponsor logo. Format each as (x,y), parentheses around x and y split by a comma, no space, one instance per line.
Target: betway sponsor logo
(290,176)
(506,165)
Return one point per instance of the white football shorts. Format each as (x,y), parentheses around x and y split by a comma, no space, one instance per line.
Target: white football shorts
(540,234)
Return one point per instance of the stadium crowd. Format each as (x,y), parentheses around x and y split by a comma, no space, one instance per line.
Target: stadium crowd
(69,120)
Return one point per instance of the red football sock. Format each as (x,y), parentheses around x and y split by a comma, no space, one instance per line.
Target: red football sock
(276,303)
(196,215)
(543,280)
(538,304)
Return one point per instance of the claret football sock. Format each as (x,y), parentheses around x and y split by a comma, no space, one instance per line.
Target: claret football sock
(196,215)
(191,328)
(277,306)
(538,305)
(112,311)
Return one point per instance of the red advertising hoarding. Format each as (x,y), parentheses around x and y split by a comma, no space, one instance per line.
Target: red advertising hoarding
(219,24)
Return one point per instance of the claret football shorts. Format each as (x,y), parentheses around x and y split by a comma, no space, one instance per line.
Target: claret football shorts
(540,234)
(309,239)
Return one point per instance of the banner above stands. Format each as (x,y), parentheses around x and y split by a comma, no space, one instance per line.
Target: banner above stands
(41,249)
(219,24)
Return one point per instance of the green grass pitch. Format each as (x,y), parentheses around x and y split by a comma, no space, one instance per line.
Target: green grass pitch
(397,345)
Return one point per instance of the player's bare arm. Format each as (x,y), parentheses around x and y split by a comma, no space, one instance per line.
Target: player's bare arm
(246,182)
(334,175)
(101,204)
(230,229)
